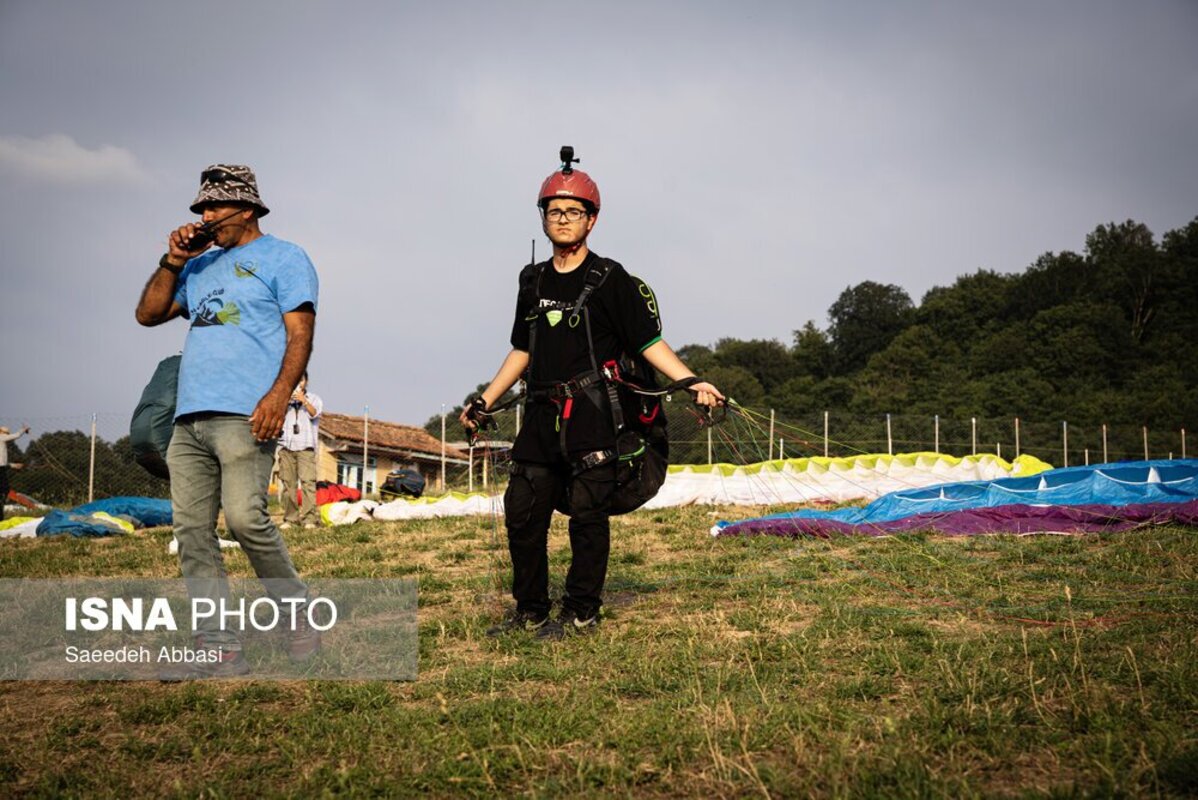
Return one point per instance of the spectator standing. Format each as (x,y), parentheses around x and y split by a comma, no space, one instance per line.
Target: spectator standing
(297,457)
(5,438)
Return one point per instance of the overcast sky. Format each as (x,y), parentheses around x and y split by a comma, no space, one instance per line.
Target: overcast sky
(755,159)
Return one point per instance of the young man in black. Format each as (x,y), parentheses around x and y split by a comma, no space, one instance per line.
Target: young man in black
(565,431)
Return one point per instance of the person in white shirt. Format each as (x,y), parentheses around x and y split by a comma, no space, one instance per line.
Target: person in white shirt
(5,438)
(297,457)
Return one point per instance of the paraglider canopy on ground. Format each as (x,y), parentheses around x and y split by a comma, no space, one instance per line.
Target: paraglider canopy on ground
(1073,500)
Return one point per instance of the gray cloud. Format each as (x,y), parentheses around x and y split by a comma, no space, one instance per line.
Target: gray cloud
(58,158)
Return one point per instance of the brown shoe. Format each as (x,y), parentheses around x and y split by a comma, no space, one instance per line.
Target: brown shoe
(228,664)
(303,642)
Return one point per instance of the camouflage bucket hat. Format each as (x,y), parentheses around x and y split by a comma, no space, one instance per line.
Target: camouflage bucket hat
(228,183)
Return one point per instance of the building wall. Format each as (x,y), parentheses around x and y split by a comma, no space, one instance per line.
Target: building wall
(327,461)
(326,466)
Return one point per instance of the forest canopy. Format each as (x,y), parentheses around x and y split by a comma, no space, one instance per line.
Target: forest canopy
(1104,336)
(1107,335)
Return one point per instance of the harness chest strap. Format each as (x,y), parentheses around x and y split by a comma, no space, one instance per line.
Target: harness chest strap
(586,383)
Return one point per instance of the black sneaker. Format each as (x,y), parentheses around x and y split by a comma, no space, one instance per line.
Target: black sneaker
(229,664)
(568,623)
(518,621)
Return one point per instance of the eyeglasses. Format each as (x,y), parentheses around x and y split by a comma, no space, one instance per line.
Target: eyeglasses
(571,214)
(222,176)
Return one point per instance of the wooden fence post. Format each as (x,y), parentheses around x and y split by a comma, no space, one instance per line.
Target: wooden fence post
(1065,442)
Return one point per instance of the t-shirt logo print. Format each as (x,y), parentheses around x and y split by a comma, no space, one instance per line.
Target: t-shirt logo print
(244,270)
(216,312)
(553,317)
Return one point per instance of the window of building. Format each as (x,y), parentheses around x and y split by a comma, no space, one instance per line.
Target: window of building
(349,472)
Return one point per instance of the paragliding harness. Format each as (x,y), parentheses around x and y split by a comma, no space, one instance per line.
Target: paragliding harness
(625,387)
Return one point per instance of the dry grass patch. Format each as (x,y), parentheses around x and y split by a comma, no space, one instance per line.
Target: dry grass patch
(727,668)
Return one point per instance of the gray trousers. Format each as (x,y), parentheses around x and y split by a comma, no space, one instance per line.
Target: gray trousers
(216,463)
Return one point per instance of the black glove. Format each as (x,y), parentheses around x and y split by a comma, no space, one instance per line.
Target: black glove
(476,412)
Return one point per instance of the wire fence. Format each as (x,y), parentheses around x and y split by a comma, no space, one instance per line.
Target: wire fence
(838,434)
(67,461)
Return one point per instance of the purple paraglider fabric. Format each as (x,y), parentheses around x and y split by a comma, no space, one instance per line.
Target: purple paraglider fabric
(1017,519)
(1105,497)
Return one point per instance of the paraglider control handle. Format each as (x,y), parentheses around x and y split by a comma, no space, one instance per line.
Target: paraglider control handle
(476,412)
(707,417)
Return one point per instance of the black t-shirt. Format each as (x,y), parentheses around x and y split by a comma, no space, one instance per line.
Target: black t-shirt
(624,321)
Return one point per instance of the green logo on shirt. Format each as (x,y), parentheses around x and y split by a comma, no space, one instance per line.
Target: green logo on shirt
(554,317)
(215,312)
(246,270)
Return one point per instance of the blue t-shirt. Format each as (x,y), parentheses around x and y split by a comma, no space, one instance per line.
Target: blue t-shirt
(235,300)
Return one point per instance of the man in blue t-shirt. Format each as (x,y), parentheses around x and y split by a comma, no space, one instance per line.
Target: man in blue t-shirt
(251,302)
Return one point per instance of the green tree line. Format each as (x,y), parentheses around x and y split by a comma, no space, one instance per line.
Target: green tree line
(55,470)
(1104,336)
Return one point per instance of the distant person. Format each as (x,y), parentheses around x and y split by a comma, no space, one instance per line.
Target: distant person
(297,456)
(5,438)
(251,302)
(565,453)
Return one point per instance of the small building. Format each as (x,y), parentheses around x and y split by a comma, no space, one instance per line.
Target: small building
(389,446)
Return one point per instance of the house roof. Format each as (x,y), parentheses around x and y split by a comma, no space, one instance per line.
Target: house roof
(385,435)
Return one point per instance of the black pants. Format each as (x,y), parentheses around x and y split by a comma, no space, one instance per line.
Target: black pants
(3,489)
(533,493)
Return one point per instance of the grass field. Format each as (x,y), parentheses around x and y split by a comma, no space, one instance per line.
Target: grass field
(913,666)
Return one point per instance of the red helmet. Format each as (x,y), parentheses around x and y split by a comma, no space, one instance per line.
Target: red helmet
(570,183)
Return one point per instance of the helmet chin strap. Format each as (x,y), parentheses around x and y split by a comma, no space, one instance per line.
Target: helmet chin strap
(572,249)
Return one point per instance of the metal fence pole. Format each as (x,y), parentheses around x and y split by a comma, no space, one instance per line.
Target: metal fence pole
(1105,460)
(1183,442)
(443,483)
(365,446)
(825,434)
(1145,442)
(974,422)
(937,442)
(709,445)
(1016,437)
(91,467)
(889,438)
